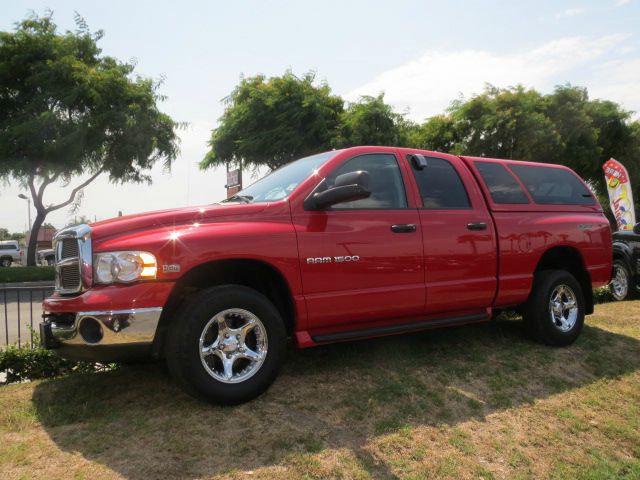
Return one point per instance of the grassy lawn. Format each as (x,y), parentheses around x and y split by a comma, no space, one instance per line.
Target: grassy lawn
(473,402)
(26,274)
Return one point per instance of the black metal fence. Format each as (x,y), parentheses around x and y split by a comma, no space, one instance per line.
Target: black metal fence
(22,309)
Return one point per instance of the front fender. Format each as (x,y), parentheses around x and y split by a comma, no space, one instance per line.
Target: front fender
(178,249)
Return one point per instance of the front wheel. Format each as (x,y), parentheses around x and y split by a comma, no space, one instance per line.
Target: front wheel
(620,285)
(554,313)
(226,345)
(5,262)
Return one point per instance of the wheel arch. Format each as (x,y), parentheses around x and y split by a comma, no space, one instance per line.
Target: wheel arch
(569,259)
(256,274)
(623,252)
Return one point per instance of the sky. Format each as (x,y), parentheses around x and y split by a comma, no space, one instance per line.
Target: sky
(421,54)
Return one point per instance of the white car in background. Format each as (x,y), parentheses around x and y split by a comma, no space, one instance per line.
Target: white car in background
(46,257)
(10,252)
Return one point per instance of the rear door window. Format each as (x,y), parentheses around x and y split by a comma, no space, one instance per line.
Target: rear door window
(503,187)
(441,187)
(553,186)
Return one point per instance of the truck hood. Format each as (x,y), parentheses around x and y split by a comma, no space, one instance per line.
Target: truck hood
(172,217)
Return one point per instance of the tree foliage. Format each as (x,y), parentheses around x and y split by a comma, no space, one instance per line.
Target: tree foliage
(272,121)
(67,110)
(563,127)
(370,121)
(5,235)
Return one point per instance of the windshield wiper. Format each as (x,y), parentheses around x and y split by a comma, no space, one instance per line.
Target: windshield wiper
(241,198)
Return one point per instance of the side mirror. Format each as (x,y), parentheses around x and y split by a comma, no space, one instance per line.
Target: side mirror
(361,178)
(419,161)
(348,187)
(636,228)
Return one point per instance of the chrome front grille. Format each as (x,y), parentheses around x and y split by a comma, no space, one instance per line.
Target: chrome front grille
(74,271)
(70,277)
(69,248)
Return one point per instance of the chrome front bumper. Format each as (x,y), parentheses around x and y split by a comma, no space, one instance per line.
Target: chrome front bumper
(102,328)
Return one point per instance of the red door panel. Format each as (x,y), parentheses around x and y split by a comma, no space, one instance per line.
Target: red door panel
(354,268)
(460,264)
(384,277)
(460,255)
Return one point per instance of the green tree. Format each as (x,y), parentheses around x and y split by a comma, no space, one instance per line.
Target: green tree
(505,123)
(67,110)
(370,121)
(436,133)
(272,121)
(563,127)
(568,110)
(18,237)
(5,235)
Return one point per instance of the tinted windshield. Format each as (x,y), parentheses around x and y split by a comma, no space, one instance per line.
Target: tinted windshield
(281,182)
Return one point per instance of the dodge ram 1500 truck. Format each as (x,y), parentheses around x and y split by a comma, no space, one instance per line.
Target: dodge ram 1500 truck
(342,245)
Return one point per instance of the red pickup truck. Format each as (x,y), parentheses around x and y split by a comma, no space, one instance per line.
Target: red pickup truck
(342,245)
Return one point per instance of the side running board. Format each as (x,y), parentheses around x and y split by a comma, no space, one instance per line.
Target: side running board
(404,327)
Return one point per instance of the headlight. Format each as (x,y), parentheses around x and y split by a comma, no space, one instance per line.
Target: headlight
(124,267)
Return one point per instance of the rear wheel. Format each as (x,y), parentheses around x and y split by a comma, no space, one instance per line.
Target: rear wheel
(620,285)
(5,262)
(226,344)
(554,313)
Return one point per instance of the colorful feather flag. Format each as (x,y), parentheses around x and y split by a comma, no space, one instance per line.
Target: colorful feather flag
(620,196)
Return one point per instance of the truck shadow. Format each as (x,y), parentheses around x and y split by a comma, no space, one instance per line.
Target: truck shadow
(137,423)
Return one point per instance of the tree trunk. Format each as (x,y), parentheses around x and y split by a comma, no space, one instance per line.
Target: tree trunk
(33,237)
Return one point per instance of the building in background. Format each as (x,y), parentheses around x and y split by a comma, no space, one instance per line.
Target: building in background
(45,237)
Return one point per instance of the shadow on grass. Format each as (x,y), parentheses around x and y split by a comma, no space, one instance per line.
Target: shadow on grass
(138,424)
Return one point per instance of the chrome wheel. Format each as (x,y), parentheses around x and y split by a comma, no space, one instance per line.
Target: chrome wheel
(563,308)
(233,345)
(620,283)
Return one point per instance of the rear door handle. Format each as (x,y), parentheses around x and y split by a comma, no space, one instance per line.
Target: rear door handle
(477,226)
(403,228)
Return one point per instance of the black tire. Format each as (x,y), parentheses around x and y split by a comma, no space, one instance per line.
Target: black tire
(6,262)
(541,325)
(621,285)
(182,349)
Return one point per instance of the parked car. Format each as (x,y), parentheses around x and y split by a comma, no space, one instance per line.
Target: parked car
(625,283)
(46,257)
(343,245)
(10,252)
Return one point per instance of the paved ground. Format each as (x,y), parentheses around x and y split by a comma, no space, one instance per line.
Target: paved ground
(16,317)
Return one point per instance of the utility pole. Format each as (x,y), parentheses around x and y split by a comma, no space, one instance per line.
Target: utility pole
(24,197)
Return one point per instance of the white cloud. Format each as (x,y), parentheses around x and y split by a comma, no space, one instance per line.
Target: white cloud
(618,80)
(620,3)
(426,86)
(570,12)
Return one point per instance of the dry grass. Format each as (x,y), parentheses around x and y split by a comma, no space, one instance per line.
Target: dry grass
(474,402)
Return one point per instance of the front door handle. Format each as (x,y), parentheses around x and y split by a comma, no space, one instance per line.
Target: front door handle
(477,226)
(403,228)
